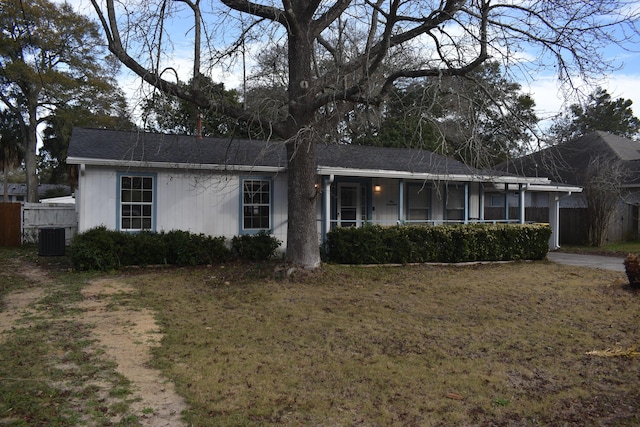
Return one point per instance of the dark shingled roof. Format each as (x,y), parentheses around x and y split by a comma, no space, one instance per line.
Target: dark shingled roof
(566,162)
(114,145)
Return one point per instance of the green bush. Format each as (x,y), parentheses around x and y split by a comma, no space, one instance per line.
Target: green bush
(373,244)
(255,247)
(102,249)
(184,248)
(94,249)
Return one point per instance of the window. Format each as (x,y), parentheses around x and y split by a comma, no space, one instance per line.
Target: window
(418,202)
(256,204)
(136,207)
(497,200)
(455,203)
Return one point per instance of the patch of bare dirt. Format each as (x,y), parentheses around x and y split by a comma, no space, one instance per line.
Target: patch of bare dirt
(127,337)
(19,305)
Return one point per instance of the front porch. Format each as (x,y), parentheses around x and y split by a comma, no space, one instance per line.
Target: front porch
(352,201)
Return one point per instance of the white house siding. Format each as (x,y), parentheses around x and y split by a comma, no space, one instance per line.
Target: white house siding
(194,201)
(96,198)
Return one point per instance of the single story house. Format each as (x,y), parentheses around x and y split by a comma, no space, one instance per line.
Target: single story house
(569,163)
(135,181)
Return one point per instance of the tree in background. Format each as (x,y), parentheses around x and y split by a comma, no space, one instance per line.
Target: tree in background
(166,113)
(103,107)
(599,112)
(480,118)
(602,182)
(331,73)
(50,57)
(11,153)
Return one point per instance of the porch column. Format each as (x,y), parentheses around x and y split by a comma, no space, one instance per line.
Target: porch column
(400,201)
(481,201)
(506,202)
(466,203)
(326,206)
(521,203)
(554,221)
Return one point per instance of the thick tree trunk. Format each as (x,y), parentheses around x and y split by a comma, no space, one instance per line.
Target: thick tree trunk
(30,163)
(303,247)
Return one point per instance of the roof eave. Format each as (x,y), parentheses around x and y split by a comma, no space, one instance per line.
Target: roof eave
(377,173)
(166,165)
(554,188)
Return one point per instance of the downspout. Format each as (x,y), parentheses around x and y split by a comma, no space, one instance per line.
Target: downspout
(80,208)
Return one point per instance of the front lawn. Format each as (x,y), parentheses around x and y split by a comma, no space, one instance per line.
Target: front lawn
(417,345)
(485,345)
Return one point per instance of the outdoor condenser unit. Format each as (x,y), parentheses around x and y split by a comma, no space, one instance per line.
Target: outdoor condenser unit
(51,241)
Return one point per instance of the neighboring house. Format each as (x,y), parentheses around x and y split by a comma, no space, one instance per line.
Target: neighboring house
(66,200)
(18,192)
(224,187)
(568,164)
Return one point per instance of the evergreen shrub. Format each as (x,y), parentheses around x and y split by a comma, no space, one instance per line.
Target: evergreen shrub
(374,244)
(255,247)
(102,249)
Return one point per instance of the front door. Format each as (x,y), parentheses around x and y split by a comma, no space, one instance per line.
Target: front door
(349,205)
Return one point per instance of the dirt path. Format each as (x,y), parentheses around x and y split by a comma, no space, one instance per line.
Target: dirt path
(19,305)
(126,336)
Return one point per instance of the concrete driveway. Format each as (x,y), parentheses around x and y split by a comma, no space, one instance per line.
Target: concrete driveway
(594,261)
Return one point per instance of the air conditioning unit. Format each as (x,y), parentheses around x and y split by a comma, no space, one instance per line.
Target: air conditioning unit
(51,241)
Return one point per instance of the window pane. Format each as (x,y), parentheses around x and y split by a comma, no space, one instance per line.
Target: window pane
(136,223)
(146,210)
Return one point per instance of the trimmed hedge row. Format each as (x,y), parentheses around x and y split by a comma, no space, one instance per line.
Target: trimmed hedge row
(102,249)
(374,244)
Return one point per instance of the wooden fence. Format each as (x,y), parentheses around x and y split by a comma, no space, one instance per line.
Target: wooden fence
(48,215)
(20,222)
(10,225)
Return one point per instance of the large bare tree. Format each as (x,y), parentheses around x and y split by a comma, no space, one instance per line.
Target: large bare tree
(332,68)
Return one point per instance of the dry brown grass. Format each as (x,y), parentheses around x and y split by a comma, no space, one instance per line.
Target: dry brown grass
(494,345)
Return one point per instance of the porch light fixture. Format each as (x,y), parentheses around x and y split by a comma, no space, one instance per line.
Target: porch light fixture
(377,188)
